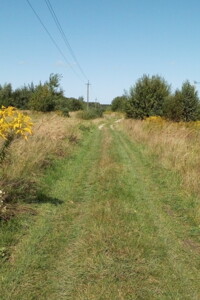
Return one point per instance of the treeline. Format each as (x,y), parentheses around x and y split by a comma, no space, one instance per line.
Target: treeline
(152,96)
(44,97)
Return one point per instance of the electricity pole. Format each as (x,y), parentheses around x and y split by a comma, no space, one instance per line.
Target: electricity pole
(88,93)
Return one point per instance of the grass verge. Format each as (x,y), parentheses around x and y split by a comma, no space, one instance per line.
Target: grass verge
(176,145)
(22,171)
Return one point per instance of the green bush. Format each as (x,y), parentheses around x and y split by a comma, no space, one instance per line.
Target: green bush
(173,107)
(183,105)
(91,113)
(146,97)
(65,112)
(119,103)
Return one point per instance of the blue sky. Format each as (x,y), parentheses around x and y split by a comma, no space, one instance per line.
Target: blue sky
(115,42)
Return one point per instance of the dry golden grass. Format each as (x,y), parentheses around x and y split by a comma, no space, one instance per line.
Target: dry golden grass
(110,115)
(177,146)
(53,136)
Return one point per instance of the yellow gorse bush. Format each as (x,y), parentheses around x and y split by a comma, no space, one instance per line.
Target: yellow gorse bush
(192,124)
(161,121)
(13,122)
(155,119)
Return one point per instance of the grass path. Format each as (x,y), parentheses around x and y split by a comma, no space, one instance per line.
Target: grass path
(120,230)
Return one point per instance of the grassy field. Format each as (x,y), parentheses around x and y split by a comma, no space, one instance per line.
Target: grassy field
(116,220)
(176,146)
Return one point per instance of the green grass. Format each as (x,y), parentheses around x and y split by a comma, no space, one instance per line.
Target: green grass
(38,250)
(113,225)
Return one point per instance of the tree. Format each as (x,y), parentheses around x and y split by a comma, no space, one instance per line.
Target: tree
(146,97)
(183,105)
(6,94)
(42,99)
(21,96)
(72,104)
(46,96)
(119,103)
(75,104)
(54,83)
(173,107)
(190,102)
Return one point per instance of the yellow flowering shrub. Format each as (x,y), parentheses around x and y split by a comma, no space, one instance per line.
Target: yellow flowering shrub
(155,119)
(193,124)
(13,122)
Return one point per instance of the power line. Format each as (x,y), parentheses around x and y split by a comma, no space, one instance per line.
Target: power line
(52,39)
(53,14)
(65,40)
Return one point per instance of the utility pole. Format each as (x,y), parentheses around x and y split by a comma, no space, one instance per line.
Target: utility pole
(88,93)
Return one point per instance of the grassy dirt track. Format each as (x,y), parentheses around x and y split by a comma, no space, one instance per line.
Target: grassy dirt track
(116,226)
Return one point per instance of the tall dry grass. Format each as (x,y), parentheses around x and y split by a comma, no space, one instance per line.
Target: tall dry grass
(53,136)
(177,145)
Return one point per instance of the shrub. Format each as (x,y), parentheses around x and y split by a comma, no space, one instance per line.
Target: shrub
(92,113)
(155,120)
(65,112)
(42,99)
(173,107)
(12,124)
(75,104)
(119,103)
(6,94)
(183,105)
(146,97)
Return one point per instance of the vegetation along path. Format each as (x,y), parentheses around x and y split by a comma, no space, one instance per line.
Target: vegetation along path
(114,233)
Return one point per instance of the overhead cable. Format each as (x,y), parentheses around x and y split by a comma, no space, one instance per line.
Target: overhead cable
(53,40)
(53,14)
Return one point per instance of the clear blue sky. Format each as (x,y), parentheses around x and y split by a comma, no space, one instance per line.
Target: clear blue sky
(115,42)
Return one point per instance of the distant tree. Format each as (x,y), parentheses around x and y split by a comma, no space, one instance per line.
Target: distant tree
(42,99)
(183,105)
(106,107)
(54,83)
(146,97)
(21,96)
(75,104)
(93,104)
(81,98)
(6,94)
(173,107)
(62,103)
(119,103)
(31,87)
(190,102)
(46,96)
